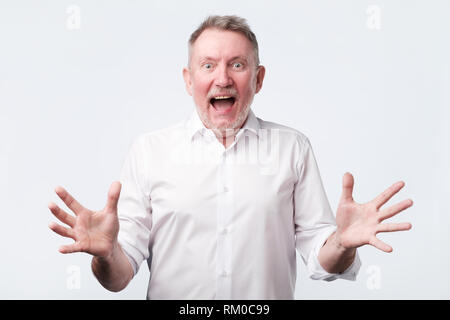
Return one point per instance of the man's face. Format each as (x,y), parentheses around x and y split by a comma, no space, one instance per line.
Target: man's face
(223,78)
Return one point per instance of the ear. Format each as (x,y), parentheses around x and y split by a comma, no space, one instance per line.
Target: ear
(260,78)
(187,80)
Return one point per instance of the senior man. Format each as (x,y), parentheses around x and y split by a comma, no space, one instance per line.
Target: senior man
(219,203)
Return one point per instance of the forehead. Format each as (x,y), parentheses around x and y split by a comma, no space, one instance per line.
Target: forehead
(221,44)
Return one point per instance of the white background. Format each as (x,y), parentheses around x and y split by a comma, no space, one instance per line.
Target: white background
(371,91)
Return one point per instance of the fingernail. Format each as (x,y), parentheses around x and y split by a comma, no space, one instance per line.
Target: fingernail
(58,189)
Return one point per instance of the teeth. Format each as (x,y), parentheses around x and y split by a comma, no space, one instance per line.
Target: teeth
(222,97)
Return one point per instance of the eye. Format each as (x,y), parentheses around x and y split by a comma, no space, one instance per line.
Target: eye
(207,66)
(237,65)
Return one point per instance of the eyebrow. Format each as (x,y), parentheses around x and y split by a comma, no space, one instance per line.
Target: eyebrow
(233,58)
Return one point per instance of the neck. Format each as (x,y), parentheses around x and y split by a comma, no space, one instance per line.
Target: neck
(226,137)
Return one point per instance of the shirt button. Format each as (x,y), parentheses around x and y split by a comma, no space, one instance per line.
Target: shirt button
(225,189)
(224,273)
(224,230)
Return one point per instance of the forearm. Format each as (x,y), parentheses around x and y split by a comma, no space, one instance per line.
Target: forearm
(113,272)
(333,257)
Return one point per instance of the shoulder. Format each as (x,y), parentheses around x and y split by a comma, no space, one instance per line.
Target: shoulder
(286,134)
(160,136)
(154,148)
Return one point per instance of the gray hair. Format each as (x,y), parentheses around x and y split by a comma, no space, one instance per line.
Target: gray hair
(229,23)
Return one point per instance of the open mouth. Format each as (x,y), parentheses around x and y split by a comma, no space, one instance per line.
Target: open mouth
(223,104)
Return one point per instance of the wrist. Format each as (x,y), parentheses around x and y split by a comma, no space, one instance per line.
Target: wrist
(337,242)
(108,255)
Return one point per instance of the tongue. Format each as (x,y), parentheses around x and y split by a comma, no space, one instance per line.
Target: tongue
(223,103)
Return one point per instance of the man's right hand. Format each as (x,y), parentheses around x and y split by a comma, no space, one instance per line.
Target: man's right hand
(94,232)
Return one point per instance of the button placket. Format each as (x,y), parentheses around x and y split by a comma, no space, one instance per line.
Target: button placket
(224,241)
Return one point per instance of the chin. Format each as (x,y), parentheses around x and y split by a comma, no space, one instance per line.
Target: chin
(224,122)
(222,125)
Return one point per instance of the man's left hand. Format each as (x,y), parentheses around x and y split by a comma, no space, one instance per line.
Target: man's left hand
(358,224)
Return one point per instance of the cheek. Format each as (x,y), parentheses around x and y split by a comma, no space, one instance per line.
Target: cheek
(200,88)
(246,87)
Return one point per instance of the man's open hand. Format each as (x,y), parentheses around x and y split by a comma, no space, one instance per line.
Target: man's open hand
(358,224)
(94,232)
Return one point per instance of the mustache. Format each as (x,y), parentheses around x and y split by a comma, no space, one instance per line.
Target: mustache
(222,92)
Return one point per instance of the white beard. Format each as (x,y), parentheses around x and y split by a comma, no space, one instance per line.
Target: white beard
(228,129)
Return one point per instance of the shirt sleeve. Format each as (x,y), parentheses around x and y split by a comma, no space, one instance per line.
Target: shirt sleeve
(134,206)
(314,219)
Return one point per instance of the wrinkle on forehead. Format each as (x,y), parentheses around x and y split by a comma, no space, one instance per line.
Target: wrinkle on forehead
(221,45)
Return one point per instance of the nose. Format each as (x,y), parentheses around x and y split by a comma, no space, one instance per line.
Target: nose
(223,78)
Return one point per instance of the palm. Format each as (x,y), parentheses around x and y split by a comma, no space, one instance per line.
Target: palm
(94,232)
(358,224)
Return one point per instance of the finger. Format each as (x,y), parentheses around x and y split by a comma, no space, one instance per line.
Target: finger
(113,197)
(393,227)
(396,208)
(70,248)
(62,231)
(70,201)
(387,194)
(347,187)
(61,214)
(377,243)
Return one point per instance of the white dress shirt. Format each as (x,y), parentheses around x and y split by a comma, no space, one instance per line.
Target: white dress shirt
(216,223)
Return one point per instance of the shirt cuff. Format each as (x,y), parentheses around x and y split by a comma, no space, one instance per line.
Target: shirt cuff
(317,272)
(131,253)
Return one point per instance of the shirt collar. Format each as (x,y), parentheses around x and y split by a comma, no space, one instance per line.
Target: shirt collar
(195,126)
(251,124)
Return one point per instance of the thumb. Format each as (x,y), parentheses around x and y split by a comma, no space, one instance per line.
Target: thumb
(347,187)
(113,197)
